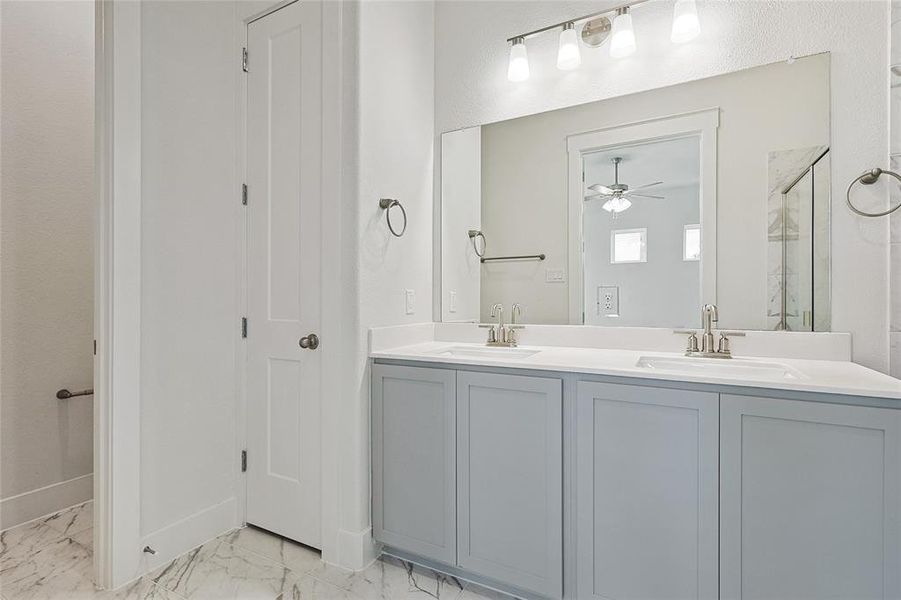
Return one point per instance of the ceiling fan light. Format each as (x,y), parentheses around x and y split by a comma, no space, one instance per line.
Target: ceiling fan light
(568,55)
(686,25)
(617,204)
(622,37)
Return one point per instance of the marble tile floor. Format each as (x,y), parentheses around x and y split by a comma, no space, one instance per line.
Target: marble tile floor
(51,559)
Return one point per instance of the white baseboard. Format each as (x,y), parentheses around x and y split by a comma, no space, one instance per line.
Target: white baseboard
(356,549)
(44,501)
(174,540)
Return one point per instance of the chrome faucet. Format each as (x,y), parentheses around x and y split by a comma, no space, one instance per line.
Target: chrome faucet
(515,311)
(709,316)
(500,329)
(501,334)
(709,348)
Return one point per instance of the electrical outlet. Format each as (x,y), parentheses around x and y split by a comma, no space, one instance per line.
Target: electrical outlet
(453,302)
(608,300)
(410,301)
(555,276)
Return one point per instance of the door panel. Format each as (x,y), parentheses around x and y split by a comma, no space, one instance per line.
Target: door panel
(810,500)
(413,460)
(647,462)
(284,142)
(510,479)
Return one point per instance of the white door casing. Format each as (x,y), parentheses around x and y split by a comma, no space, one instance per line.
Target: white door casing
(703,123)
(284,179)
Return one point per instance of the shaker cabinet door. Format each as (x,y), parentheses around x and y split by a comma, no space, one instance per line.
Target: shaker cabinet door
(810,500)
(646,492)
(413,458)
(510,480)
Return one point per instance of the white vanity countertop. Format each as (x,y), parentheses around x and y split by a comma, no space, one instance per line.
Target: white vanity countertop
(822,376)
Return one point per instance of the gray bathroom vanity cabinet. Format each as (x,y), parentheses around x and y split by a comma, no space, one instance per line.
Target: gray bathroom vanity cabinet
(592,487)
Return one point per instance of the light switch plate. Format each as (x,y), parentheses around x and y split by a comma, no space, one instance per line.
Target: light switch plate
(608,300)
(555,276)
(410,301)
(453,302)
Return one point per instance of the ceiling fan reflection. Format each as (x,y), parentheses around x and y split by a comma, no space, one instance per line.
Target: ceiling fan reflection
(618,195)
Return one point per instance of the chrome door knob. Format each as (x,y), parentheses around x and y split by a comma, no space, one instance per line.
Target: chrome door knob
(309,342)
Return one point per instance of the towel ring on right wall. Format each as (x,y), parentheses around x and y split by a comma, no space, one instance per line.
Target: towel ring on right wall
(387,204)
(869,178)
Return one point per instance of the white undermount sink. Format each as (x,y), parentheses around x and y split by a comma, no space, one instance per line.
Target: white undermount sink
(487,352)
(719,367)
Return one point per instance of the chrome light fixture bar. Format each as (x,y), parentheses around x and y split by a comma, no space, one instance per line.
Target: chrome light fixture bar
(598,27)
(607,11)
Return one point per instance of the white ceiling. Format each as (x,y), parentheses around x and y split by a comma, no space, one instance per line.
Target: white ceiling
(676,162)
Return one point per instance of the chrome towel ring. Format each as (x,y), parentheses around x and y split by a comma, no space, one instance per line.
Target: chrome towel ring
(387,204)
(473,234)
(869,178)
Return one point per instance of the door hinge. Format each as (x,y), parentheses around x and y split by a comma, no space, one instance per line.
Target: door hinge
(95,347)
(243,327)
(244,59)
(244,194)
(243,461)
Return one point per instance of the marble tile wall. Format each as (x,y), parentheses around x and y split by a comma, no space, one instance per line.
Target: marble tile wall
(51,559)
(895,162)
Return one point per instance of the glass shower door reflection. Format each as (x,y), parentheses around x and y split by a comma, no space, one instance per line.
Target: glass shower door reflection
(799,249)
(797,268)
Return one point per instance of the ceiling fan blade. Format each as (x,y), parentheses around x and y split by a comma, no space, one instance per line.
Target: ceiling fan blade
(646,196)
(641,187)
(603,189)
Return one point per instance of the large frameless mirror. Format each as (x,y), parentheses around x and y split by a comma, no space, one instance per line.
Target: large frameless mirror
(636,210)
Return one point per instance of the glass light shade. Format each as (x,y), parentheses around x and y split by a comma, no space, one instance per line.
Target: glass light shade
(686,26)
(622,36)
(568,55)
(518,69)
(617,204)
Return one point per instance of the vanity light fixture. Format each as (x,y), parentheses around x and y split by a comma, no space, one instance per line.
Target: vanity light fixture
(622,38)
(518,69)
(568,54)
(596,28)
(686,25)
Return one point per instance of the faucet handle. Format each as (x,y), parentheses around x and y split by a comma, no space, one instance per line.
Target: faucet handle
(692,342)
(492,332)
(723,345)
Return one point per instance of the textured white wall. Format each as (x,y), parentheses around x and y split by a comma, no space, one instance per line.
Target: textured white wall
(395,142)
(189,255)
(471,88)
(46,143)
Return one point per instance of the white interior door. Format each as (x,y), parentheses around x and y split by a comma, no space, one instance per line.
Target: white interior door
(284,144)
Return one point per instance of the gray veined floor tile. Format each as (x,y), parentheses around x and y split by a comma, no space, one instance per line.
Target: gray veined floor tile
(85,538)
(22,543)
(471,591)
(73,520)
(299,559)
(60,569)
(223,571)
(307,587)
(392,579)
(143,589)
